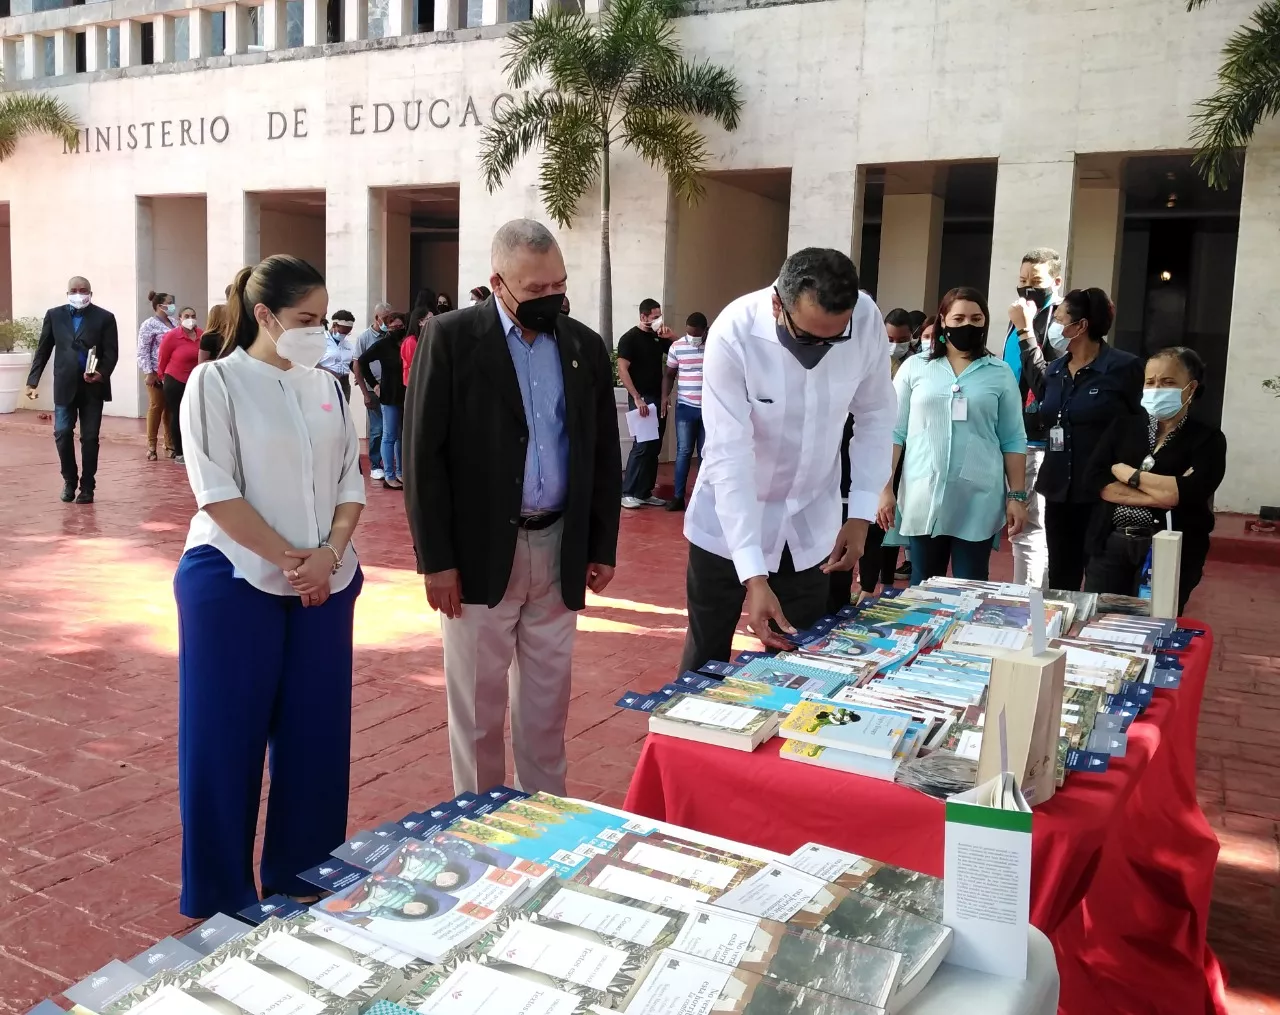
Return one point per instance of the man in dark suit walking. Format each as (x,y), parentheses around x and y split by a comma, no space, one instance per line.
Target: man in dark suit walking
(87,345)
(512,485)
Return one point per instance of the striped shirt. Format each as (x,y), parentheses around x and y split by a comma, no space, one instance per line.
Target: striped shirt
(685,357)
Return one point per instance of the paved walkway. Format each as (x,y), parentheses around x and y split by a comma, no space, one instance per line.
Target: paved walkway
(88,803)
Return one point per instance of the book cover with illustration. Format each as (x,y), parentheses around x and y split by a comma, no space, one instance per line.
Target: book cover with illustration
(876,732)
(461,876)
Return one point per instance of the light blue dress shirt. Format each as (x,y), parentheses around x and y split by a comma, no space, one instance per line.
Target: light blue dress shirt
(337,354)
(953,470)
(541,377)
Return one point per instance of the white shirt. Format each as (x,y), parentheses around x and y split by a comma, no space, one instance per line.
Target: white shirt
(298,458)
(770,474)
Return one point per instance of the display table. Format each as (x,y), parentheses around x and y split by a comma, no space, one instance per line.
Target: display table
(1122,862)
(956,991)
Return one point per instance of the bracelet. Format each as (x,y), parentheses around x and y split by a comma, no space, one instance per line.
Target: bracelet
(1018,495)
(337,557)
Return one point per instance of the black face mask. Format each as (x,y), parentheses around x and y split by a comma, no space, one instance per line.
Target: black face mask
(539,313)
(808,354)
(966,337)
(1036,296)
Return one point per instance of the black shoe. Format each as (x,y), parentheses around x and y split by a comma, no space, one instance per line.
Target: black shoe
(86,497)
(904,571)
(675,504)
(68,493)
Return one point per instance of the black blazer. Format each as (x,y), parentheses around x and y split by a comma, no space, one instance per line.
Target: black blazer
(97,331)
(1196,454)
(464,452)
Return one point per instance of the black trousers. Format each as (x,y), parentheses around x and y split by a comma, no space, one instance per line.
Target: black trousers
(877,566)
(85,409)
(1118,569)
(173,390)
(642,464)
(715,597)
(1066,529)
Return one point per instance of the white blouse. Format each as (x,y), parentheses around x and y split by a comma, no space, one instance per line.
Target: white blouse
(283,440)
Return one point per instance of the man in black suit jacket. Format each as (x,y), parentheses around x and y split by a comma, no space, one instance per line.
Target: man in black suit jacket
(512,479)
(80,333)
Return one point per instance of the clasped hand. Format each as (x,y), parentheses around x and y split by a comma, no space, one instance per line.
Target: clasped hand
(308,573)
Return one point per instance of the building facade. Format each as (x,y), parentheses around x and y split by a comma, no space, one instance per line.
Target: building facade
(935,140)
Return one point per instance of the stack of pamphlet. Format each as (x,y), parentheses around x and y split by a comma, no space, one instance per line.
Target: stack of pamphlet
(465,914)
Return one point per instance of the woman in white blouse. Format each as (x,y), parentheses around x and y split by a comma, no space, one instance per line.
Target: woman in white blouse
(266,594)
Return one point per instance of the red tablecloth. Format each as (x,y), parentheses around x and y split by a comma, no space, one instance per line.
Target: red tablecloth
(1122,862)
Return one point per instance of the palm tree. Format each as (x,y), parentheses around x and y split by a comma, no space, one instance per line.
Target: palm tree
(1248,92)
(618,80)
(24,113)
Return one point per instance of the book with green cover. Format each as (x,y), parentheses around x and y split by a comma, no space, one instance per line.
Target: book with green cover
(872,731)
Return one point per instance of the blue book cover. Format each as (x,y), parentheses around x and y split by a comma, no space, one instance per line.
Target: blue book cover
(364,849)
(280,906)
(333,875)
(1087,761)
(694,681)
(783,673)
(873,731)
(753,694)
(719,669)
(214,933)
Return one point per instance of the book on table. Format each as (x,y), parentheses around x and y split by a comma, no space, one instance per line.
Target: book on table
(692,717)
(872,731)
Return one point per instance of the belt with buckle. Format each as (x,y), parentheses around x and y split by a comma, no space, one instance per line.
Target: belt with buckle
(545,520)
(1137,531)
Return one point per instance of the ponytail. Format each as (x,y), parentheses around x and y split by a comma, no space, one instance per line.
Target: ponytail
(278,282)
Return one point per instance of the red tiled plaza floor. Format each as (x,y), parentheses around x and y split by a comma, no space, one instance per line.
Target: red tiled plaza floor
(89,830)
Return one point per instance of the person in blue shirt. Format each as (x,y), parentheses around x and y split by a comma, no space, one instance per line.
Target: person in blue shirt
(962,446)
(1085,391)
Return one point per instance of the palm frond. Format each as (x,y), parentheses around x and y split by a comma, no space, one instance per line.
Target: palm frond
(693,88)
(559,43)
(1194,4)
(1248,92)
(23,113)
(519,128)
(667,140)
(636,37)
(571,157)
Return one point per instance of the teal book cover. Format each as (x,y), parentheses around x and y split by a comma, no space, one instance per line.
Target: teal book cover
(873,731)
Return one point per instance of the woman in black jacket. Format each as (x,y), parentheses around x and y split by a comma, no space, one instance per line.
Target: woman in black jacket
(390,392)
(1149,469)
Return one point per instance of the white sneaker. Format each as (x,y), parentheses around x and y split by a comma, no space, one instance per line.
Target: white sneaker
(632,502)
(376,474)
(655,502)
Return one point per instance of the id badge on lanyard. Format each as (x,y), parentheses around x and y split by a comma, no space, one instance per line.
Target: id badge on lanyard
(1057,438)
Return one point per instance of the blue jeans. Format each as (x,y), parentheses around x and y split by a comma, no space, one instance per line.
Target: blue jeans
(375,432)
(689,431)
(391,441)
(931,554)
(87,409)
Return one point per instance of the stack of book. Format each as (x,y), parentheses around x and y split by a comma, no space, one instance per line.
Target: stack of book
(895,688)
(510,903)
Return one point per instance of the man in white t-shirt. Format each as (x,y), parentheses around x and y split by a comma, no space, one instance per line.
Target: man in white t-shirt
(684,369)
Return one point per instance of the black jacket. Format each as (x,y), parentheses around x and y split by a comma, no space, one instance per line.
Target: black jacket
(97,331)
(464,454)
(1108,387)
(385,351)
(1196,454)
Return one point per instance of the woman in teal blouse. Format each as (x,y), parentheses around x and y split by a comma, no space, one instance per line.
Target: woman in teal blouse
(960,423)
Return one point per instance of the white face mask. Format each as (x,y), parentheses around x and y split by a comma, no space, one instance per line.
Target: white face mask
(171,309)
(1056,338)
(473,302)
(303,347)
(899,350)
(189,323)
(656,324)
(79,300)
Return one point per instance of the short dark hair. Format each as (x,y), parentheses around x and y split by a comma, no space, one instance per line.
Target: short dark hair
(827,274)
(953,296)
(346,316)
(696,320)
(280,281)
(1190,360)
(481,293)
(918,319)
(1092,306)
(649,306)
(898,318)
(1047,256)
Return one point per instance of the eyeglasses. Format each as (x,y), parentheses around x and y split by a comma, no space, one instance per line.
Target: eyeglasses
(808,338)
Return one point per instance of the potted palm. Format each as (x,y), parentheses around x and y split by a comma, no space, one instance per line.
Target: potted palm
(17,341)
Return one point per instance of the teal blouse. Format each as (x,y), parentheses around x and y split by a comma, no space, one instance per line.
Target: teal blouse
(953,469)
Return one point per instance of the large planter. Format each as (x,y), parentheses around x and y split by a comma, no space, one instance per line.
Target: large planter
(14,367)
(624,437)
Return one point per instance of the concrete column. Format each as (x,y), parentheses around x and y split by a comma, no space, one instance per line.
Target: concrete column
(95,48)
(910,250)
(446,15)
(354,243)
(314,23)
(542,6)
(1249,409)
(64,52)
(230,248)
(826,207)
(275,25)
(237,29)
(400,18)
(162,40)
(355,20)
(1097,230)
(591,6)
(199,34)
(130,43)
(494,12)
(1034,203)
(9,48)
(32,56)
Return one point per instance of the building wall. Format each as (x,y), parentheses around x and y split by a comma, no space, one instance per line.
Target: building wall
(302,235)
(834,92)
(6,275)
